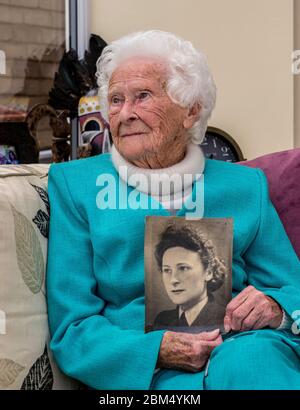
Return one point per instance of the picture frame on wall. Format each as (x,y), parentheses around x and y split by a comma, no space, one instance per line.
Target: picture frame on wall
(16,144)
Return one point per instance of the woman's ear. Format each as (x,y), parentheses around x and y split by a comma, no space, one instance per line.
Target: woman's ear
(208,275)
(192,116)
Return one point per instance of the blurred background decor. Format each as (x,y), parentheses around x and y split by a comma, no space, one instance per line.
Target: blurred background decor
(95,135)
(16,144)
(74,81)
(58,121)
(8,155)
(218,144)
(44,46)
(33,36)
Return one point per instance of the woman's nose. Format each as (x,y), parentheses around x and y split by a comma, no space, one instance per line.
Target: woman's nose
(174,278)
(127,112)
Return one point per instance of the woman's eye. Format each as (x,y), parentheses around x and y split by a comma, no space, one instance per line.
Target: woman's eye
(115,100)
(143,95)
(184,268)
(166,270)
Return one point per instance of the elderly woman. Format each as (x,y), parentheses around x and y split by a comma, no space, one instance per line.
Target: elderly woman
(159,95)
(191,272)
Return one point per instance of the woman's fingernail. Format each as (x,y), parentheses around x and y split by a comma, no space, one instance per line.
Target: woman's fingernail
(226,324)
(215,332)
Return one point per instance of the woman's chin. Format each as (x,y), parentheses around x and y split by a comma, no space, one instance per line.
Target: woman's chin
(178,300)
(131,150)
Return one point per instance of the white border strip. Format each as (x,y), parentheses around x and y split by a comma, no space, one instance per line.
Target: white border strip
(83,26)
(67,24)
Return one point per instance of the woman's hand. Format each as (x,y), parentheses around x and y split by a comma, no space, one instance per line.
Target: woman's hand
(187,351)
(251,310)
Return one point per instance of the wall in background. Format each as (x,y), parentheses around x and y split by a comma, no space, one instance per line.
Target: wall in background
(249,46)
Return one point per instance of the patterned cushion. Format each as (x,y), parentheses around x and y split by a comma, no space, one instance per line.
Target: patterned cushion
(282,170)
(25,360)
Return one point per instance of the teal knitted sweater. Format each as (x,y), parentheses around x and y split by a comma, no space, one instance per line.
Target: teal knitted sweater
(95,269)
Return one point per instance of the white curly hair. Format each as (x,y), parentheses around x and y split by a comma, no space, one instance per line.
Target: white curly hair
(189,79)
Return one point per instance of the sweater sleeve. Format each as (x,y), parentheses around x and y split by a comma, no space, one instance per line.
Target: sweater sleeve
(272,265)
(85,344)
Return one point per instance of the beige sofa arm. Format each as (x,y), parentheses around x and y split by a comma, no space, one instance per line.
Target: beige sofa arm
(26,361)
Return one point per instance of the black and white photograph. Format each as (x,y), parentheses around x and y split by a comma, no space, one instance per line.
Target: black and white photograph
(188,276)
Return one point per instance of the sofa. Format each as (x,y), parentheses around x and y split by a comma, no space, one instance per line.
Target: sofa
(26,361)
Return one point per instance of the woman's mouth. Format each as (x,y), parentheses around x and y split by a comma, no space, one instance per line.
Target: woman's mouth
(177,291)
(131,134)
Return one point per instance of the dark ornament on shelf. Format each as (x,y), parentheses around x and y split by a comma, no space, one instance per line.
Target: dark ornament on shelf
(17,135)
(61,129)
(75,78)
(219,145)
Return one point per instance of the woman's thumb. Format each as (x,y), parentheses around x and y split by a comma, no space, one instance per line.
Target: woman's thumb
(209,335)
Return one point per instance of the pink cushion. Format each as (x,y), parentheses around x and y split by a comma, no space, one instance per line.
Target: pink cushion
(282,170)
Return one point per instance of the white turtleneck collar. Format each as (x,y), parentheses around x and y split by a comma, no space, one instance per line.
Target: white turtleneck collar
(192,164)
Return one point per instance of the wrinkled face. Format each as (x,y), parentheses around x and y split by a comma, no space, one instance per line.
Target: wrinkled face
(143,119)
(184,276)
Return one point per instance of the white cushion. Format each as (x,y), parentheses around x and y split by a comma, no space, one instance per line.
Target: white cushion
(25,359)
